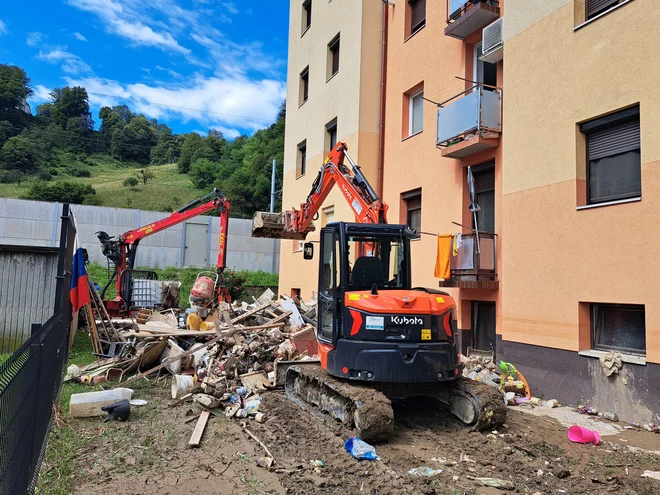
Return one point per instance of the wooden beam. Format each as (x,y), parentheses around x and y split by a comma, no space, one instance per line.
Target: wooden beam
(199,429)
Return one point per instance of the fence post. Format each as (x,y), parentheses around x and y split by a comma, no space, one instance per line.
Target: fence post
(61,269)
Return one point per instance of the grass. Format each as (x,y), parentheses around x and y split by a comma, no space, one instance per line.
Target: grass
(168,191)
(186,276)
(4,357)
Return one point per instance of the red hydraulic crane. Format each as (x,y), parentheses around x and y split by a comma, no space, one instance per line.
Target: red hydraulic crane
(122,250)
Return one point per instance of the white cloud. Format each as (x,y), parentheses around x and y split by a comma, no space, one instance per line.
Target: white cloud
(225,102)
(34,39)
(40,94)
(126,18)
(3,27)
(79,36)
(71,64)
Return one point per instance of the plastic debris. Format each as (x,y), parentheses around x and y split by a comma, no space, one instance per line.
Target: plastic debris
(651,474)
(361,450)
(494,482)
(424,471)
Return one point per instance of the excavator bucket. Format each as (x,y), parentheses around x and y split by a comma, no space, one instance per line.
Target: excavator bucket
(273,226)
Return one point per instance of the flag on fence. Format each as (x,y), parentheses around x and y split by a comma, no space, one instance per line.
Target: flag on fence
(79,286)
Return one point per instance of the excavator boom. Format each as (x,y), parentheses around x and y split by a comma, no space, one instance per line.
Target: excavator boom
(297,223)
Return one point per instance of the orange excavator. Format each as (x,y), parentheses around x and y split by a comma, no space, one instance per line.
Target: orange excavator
(379,337)
(121,250)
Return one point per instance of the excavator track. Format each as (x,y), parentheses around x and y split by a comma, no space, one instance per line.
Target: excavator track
(356,406)
(368,408)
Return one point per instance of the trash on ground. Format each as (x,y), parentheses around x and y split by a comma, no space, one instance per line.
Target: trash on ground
(424,471)
(361,450)
(580,434)
(494,482)
(89,404)
(651,474)
(118,411)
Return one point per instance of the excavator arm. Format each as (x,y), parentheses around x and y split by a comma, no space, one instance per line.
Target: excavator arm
(297,223)
(122,250)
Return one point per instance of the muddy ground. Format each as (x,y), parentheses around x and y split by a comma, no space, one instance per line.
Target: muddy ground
(149,455)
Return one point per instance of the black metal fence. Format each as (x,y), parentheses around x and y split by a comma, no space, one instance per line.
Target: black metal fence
(31,380)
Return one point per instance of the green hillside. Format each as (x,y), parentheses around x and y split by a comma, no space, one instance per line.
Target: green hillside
(167,191)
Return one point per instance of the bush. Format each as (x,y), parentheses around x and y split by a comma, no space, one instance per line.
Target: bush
(74,171)
(235,282)
(62,191)
(131,182)
(44,175)
(11,177)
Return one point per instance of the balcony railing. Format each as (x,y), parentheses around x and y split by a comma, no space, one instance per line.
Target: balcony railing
(474,268)
(477,111)
(467,16)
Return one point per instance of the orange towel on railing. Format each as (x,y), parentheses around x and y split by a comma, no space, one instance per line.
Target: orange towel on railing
(442,258)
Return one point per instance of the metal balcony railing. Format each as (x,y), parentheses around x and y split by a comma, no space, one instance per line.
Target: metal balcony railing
(473,111)
(474,264)
(458,8)
(465,17)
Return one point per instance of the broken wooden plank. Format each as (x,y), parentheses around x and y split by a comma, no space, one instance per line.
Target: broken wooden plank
(255,381)
(238,338)
(252,312)
(196,436)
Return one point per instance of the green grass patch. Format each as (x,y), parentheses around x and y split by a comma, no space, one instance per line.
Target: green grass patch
(4,357)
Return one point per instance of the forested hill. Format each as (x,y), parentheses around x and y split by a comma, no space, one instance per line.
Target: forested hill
(123,159)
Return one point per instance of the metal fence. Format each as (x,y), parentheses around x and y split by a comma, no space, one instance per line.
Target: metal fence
(31,380)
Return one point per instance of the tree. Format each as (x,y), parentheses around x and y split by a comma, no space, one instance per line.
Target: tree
(203,173)
(134,141)
(6,132)
(71,103)
(19,153)
(14,92)
(131,182)
(62,191)
(190,145)
(145,175)
(167,149)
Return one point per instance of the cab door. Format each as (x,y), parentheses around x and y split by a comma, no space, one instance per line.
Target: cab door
(328,287)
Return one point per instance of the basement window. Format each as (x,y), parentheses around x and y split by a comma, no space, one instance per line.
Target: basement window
(618,327)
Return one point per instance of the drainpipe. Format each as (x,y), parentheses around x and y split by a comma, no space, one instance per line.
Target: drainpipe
(383,87)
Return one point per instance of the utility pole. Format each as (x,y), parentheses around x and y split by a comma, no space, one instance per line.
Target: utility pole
(272,188)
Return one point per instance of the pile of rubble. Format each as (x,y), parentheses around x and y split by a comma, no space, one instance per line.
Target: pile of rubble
(220,362)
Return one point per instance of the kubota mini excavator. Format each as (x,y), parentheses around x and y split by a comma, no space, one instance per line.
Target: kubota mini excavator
(379,338)
(122,250)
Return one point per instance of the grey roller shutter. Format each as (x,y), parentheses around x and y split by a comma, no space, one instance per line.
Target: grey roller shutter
(615,140)
(484,181)
(595,7)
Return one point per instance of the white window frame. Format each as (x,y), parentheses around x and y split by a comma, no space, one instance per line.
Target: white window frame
(419,92)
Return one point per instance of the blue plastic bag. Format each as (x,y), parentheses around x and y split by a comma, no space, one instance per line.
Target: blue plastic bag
(361,450)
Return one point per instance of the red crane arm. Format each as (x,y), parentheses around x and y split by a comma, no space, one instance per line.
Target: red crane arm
(363,200)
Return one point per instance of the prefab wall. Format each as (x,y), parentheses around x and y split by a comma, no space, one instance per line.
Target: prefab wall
(27,291)
(193,243)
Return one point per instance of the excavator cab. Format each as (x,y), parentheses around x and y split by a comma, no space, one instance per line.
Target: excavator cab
(371,324)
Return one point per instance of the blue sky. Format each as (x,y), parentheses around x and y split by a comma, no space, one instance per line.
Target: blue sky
(225,57)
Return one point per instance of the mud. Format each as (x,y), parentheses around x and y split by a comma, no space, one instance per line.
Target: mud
(149,455)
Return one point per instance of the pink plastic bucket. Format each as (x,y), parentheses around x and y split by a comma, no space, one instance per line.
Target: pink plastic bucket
(579,434)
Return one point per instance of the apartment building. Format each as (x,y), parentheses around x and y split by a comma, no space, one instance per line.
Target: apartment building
(581,200)
(443,115)
(553,108)
(332,95)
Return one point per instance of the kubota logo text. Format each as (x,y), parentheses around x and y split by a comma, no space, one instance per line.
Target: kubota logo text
(407,320)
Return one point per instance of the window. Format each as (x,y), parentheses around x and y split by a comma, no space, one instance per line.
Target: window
(597,7)
(327,215)
(416,113)
(301,160)
(484,187)
(416,15)
(303,92)
(330,135)
(333,57)
(613,157)
(618,326)
(413,209)
(306,15)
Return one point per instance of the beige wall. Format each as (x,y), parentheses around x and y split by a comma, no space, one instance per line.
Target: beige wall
(556,256)
(352,96)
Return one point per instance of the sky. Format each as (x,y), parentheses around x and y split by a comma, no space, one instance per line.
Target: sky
(167,59)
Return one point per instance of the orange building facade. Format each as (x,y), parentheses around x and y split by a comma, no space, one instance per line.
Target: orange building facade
(547,105)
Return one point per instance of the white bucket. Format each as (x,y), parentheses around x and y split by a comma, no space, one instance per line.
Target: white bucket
(181,385)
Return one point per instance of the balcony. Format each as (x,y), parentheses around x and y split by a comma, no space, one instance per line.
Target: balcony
(474,268)
(467,16)
(470,122)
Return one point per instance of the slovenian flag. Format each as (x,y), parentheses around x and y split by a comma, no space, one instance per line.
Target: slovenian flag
(79,286)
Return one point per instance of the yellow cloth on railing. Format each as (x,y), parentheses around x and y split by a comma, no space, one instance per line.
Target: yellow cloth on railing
(442,258)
